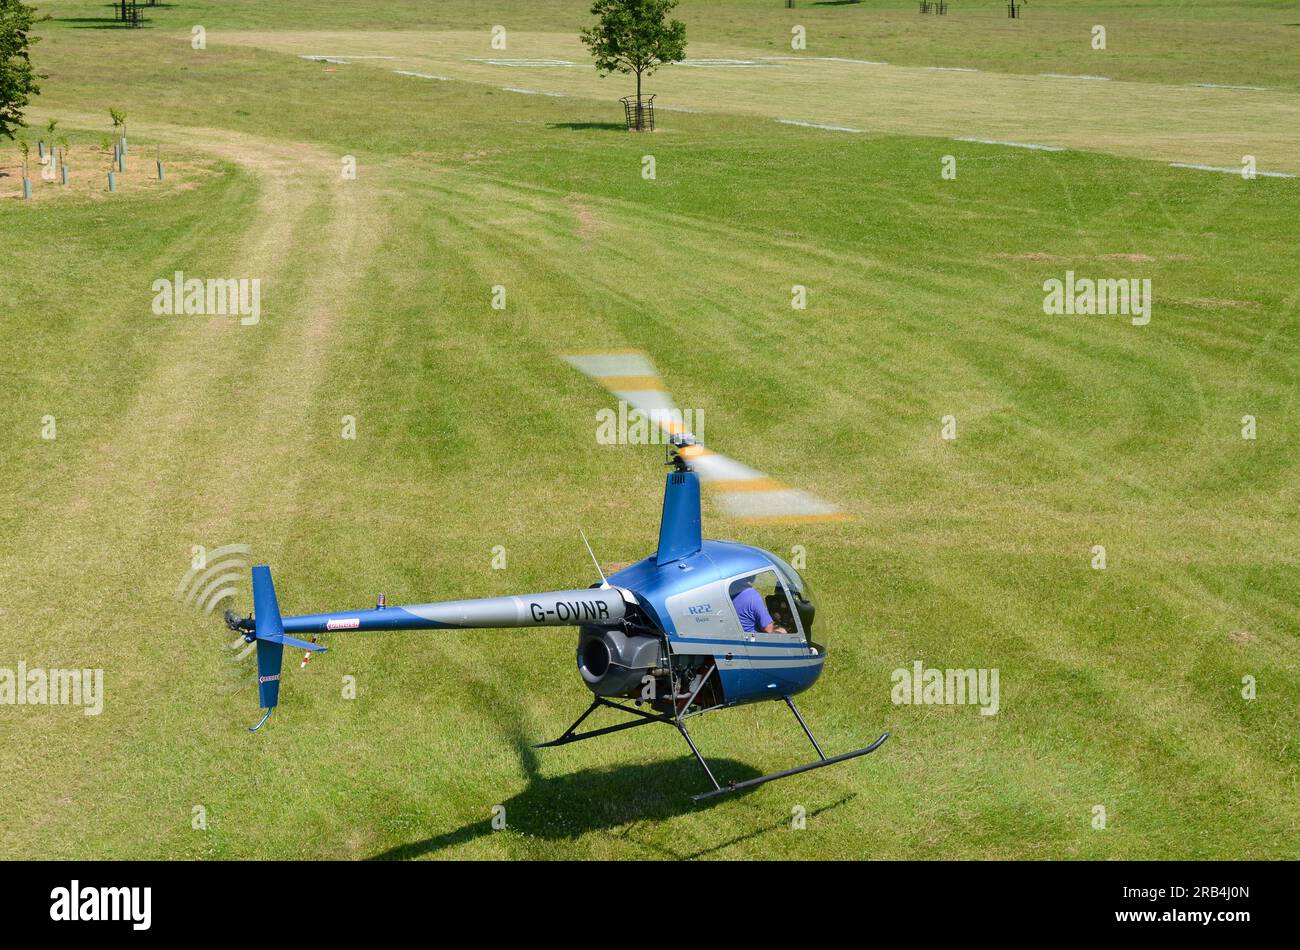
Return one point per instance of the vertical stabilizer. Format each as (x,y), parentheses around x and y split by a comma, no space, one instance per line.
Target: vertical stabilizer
(271,640)
(679,526)
(269,631)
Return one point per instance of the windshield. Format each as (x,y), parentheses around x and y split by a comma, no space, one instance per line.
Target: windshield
(798,586)
(800,591)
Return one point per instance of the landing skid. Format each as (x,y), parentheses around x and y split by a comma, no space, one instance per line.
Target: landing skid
(644,718)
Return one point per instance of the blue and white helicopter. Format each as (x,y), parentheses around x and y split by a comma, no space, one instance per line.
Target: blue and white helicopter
(664,632)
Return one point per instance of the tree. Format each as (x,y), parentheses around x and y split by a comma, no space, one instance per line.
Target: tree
(634,36)
(17,78)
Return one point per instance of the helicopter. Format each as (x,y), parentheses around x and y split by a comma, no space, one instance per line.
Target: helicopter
(696,627)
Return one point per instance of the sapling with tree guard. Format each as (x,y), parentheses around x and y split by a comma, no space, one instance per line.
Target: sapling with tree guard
(119,137)
(109,153)
(25,148)
(40,145)
(119,127)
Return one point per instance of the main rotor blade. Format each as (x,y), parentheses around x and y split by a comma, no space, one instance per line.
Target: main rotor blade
(632,378)
(747,493)
(743,492)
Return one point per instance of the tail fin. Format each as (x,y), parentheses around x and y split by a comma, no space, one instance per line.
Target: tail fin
(679,525)
(271,641)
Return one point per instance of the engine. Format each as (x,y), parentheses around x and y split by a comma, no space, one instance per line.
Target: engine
(614,663)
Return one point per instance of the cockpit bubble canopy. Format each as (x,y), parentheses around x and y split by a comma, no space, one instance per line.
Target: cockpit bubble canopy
(801,593)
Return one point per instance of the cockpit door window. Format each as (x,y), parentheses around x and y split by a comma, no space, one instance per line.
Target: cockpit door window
(763,607)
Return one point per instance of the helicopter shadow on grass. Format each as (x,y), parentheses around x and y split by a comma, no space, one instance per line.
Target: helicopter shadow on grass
(589,126)
(565,807)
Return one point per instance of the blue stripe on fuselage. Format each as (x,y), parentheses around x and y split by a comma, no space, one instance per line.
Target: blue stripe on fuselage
(745,643)
(389,618)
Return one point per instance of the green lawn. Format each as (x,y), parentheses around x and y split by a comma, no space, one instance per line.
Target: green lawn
(1120,688)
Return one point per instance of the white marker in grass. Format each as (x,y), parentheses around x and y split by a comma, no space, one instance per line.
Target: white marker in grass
(1040,148)
(1229,171)
(407,72)
(563,63)
(818,125)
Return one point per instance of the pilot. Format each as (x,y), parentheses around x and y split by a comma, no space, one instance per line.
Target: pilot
(751,610)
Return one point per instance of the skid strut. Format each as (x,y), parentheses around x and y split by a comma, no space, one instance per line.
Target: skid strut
(571,736)
(645,718)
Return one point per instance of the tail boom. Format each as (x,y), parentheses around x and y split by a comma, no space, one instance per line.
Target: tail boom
(272,632)
(551,609)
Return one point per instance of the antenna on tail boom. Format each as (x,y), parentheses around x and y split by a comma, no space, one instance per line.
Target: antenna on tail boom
(604,584)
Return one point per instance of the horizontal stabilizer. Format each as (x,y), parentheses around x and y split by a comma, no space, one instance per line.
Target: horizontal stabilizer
(302,644)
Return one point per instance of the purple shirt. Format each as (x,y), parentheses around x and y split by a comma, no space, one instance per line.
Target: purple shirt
(751,610)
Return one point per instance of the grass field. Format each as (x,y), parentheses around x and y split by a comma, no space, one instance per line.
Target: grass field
(1120,687)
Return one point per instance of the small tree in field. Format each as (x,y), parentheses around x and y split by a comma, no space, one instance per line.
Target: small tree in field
(634,36)
(119,123)
(49,129)
(17,78)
